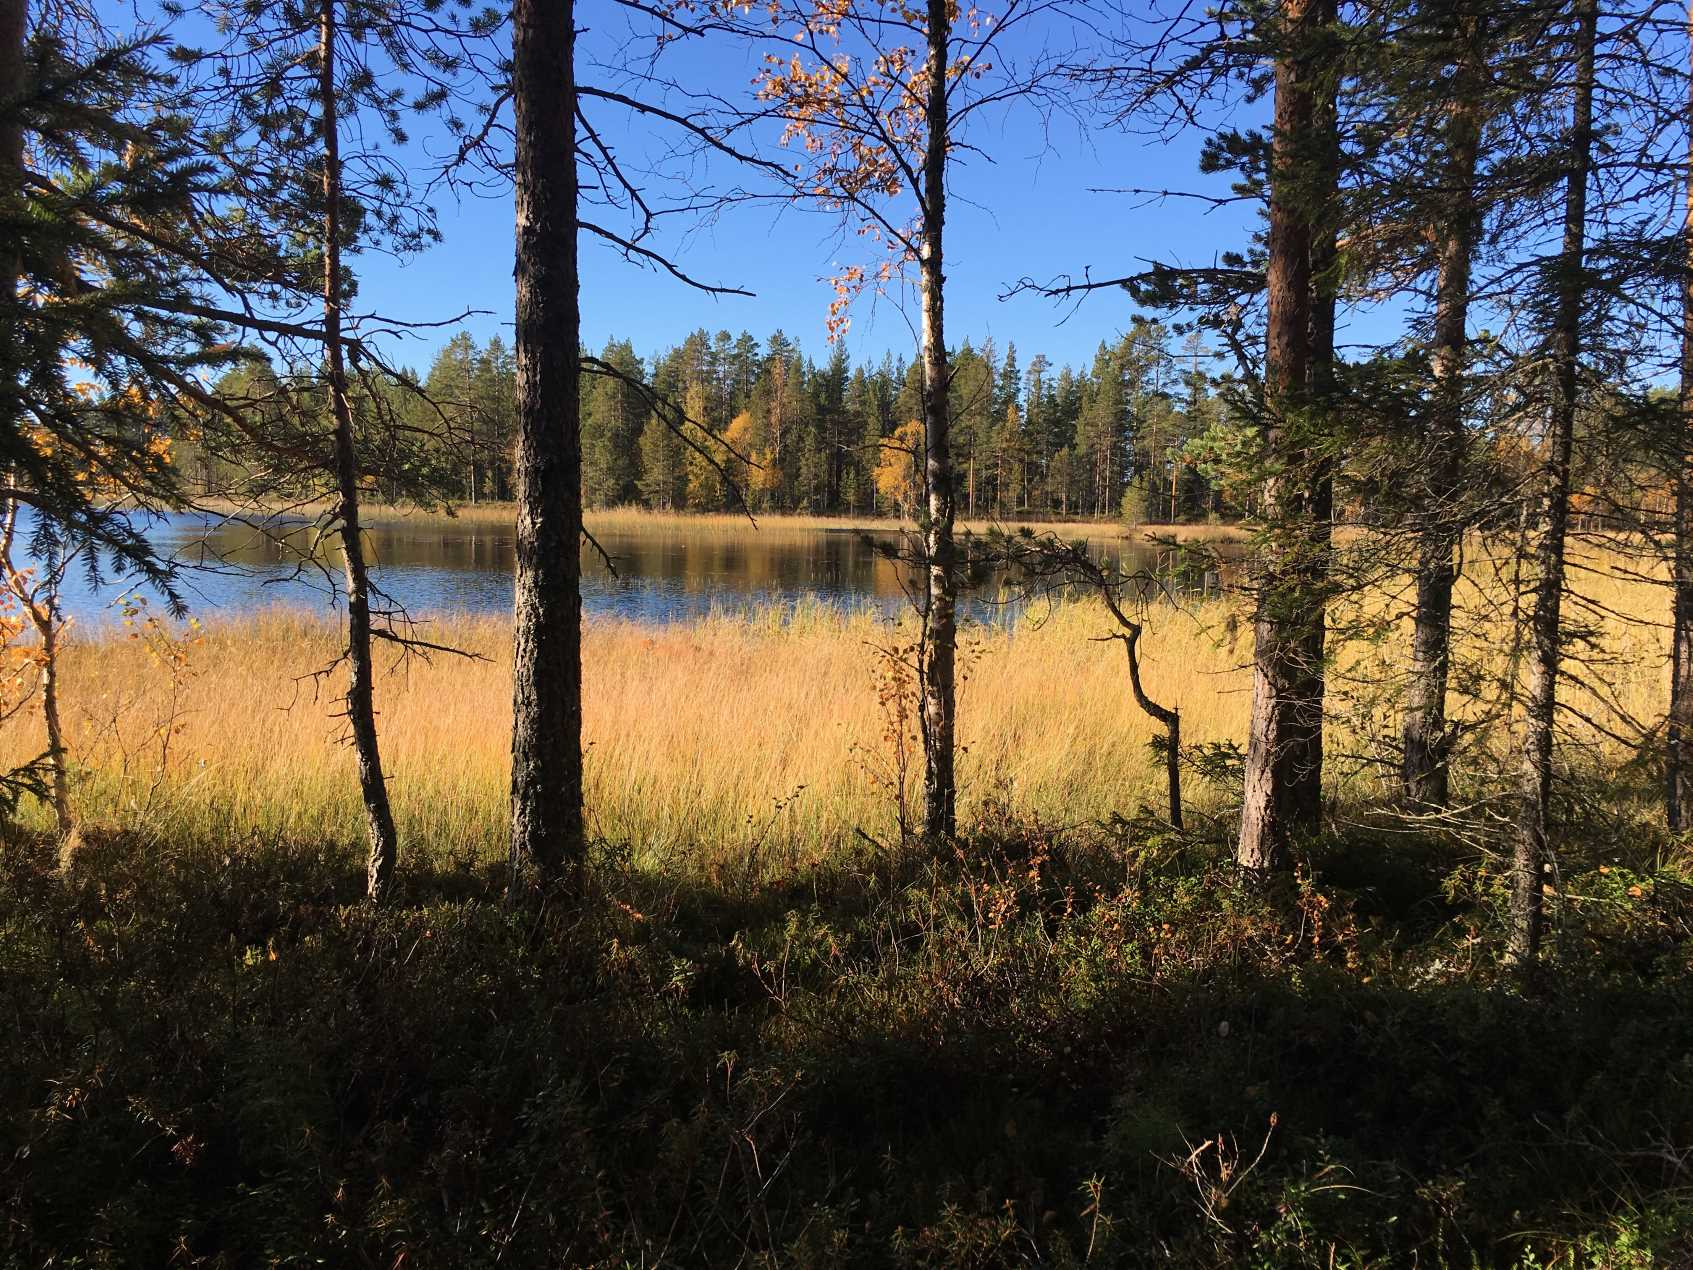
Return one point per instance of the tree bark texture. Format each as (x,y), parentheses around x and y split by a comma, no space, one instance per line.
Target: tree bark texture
(547,834)
(940,793)
(1427,737)
(1679,781)
(1528,866)
(360,703)
(1281,798)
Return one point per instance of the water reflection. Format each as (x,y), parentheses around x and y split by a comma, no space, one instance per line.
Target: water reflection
(657,574)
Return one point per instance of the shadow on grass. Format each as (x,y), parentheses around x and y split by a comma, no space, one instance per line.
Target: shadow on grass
(1013,1051)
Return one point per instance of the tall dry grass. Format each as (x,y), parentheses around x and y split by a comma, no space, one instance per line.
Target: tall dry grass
(759,738)
(758,732)
(644,519)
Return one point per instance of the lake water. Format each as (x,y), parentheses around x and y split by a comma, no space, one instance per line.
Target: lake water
(664,572)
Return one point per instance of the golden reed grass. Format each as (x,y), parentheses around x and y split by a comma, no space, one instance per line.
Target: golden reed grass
(685,523)
(753,736)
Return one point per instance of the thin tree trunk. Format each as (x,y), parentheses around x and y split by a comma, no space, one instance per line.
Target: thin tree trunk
(1427,737)
(14,30)
(40,602)
(361,708)
(1679,783)
(56,754)
(1316,558)
(547,831)
(940,794)
(1286,721)
(1531,855)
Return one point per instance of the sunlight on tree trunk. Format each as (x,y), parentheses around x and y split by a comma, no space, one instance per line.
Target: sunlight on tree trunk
(361,707)
(547,832)
(1284,749)
(940,791)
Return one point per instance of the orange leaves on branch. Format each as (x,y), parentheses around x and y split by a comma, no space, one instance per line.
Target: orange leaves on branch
(858,110)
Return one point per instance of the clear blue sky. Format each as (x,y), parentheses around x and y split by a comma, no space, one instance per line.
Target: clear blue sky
(1021,207)
(1026,211)
(1027,214)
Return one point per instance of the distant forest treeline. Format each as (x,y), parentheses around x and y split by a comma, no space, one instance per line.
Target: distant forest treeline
(1128,435)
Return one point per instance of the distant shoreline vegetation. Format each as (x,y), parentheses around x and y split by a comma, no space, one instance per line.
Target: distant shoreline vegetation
(382,515)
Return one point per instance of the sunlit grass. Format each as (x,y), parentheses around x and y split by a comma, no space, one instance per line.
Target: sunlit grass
(636,518)
(756,737)
(755,728)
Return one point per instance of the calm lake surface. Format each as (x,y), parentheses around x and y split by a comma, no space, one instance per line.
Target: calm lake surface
(664,572)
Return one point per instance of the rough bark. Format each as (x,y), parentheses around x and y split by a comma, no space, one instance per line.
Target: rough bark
(1427,737)
(1528,866)
(1282,787)
(1679,782)
(14,30)
(940,794)
(547,833)
(360,702)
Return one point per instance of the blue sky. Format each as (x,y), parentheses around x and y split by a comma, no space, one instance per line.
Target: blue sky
(1022,207)
(1023,216)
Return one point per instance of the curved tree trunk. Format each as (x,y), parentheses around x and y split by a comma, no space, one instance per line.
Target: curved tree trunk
(361,707)
(940,792)
(1427,737)
(1528,865)
(547,832)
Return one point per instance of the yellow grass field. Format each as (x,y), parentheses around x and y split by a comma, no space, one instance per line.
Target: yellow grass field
(757,738)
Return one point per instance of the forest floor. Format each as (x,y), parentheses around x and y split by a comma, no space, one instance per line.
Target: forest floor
(1029,1048)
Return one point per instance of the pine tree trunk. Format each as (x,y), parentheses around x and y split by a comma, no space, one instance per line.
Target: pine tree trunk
(14,30)
(1679,782)
(1528,865)
(1427,739)
(547,833)
(361,708)
(1281,784)
(1318,527)
(940,795)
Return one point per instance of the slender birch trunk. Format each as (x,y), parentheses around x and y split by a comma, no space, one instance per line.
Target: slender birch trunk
(547,833)
(940,793)
(1528,866)
(361,708)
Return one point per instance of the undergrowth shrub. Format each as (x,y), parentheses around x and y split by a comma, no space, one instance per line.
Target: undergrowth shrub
(1029,1047)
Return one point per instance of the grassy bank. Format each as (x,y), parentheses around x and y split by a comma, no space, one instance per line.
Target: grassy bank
(642,518)
(761,740)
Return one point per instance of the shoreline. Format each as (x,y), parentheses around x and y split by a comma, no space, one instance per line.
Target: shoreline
(385,516)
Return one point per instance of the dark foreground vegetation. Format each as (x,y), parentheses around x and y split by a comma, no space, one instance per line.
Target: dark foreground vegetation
(1031,1049)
